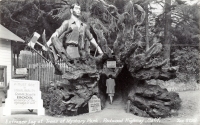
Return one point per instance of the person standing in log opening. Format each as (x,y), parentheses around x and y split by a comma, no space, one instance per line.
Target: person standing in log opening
(110,83)
(69,39)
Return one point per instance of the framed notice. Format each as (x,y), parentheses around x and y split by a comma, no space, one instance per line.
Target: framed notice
(94,104)
(21,71)
(111,64)
(23,94)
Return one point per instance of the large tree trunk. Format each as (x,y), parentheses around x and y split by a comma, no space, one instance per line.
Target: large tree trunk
(146,100)
(83,81)
(167,42)
(141,63)
(69,95)
(153,101)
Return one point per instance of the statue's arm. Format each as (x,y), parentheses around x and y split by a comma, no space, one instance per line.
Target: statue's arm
(93,41)
(59,31)
(62,28)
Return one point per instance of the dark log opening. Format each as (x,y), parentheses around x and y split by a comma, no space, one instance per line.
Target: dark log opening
(145,100)
(102,89)
(124,84)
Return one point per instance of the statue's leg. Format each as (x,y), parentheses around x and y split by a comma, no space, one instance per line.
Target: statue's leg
(53,58)
(73,51)
(54,53)
(58,45)
(60,49)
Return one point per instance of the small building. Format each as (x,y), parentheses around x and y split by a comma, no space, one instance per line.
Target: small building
(6,55)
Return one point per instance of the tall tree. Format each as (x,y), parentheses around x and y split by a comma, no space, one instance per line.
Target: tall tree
(167,42)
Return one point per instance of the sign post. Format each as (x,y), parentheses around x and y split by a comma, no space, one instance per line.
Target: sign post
(23,94)
(94,104)
(111,64)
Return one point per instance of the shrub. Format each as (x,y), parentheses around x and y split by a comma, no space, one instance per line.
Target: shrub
(187,59)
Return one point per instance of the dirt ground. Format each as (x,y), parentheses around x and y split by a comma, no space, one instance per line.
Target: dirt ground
(114,114)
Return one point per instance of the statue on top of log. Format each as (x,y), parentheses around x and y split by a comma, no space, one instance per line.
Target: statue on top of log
(117,29)
(118,36)
(69,41)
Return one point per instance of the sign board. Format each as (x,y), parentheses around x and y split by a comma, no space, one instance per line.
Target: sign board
(84,81)
(111,64)
(94,104)
(21,71)
(23,94)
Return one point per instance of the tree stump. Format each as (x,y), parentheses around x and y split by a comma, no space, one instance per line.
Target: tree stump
(78,85)
(145,100)
(68,95)
(153,101)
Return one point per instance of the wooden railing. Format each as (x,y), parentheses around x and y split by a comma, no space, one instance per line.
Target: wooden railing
(39,69)
(44,72)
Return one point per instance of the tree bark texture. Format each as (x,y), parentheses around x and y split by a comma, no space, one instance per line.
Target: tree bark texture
(167,42)
(122,32)
(153,101)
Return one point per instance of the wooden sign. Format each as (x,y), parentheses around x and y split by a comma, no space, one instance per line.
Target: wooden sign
(111,64)
(94,104)
(23,94)
(84,81)
(21,71)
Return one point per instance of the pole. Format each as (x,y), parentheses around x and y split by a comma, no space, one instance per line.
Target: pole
(39,54)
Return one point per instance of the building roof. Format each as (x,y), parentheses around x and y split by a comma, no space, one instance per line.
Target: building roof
(7,34)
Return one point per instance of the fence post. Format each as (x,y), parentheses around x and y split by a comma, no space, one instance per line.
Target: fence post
(128,106)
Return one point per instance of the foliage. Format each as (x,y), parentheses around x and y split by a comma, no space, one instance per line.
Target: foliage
(106,18)
(185,24)
(36,15)
(184,38)
(187,59)
(53,98)
(24,17)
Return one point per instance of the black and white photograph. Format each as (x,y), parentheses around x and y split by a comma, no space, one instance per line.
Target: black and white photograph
(99,62)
